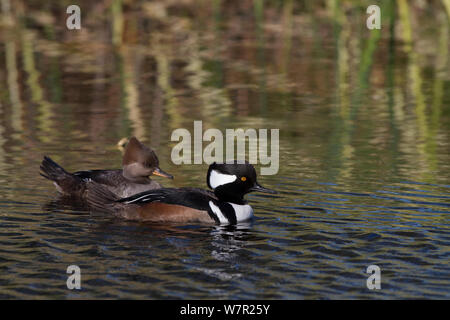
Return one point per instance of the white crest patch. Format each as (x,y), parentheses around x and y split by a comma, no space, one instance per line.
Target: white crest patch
(218,179)
(243,212)
(218,213)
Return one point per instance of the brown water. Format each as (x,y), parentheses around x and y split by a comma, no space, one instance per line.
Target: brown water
(364,149)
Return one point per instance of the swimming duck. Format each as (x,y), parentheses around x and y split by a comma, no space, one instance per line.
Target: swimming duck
(138,164)
(230,182)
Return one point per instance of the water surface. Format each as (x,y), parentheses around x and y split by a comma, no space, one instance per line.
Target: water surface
(364,148)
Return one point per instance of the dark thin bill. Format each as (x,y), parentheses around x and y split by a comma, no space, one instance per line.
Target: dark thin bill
(259,188)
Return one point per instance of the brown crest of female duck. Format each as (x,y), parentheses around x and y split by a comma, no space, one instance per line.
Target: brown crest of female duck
(230,182)
(138,164)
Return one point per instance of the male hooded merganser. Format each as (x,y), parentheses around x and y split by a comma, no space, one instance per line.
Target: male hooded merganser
(139,162)
(225,205)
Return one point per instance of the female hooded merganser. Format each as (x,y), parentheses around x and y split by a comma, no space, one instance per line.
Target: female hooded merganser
(225,205)
(139,162)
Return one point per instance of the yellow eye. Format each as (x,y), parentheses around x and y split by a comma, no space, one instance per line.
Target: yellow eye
(244,178)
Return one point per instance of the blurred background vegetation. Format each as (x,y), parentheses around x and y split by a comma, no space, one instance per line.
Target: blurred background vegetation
(342,95)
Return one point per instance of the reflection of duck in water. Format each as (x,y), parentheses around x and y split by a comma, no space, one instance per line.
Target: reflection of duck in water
(225,205)
(139,163)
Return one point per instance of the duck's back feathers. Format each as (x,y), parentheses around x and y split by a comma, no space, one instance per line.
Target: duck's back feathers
(99,176)
(101,198)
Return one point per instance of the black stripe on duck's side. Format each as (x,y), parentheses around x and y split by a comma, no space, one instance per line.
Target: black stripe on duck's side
(189,197)
(226,210)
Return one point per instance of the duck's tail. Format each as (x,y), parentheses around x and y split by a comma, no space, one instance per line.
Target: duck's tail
(65,182)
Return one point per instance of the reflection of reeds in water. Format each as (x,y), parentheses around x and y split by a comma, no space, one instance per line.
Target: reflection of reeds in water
(163,82)
(37,92)
(414,75)
(54,75)
(12,68)
(213,96)
(117,22)
(258,6)
(351,101)
(342,35)
(343,136)
(205,71)
(252,66)
(421,130)
(131,93)
(2,142)
(14,97)
(12,81)
(422,134)
(129,70)
(395,109)
(286,43)
(13,85)
(340,144)
(438,95)
(447,7)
